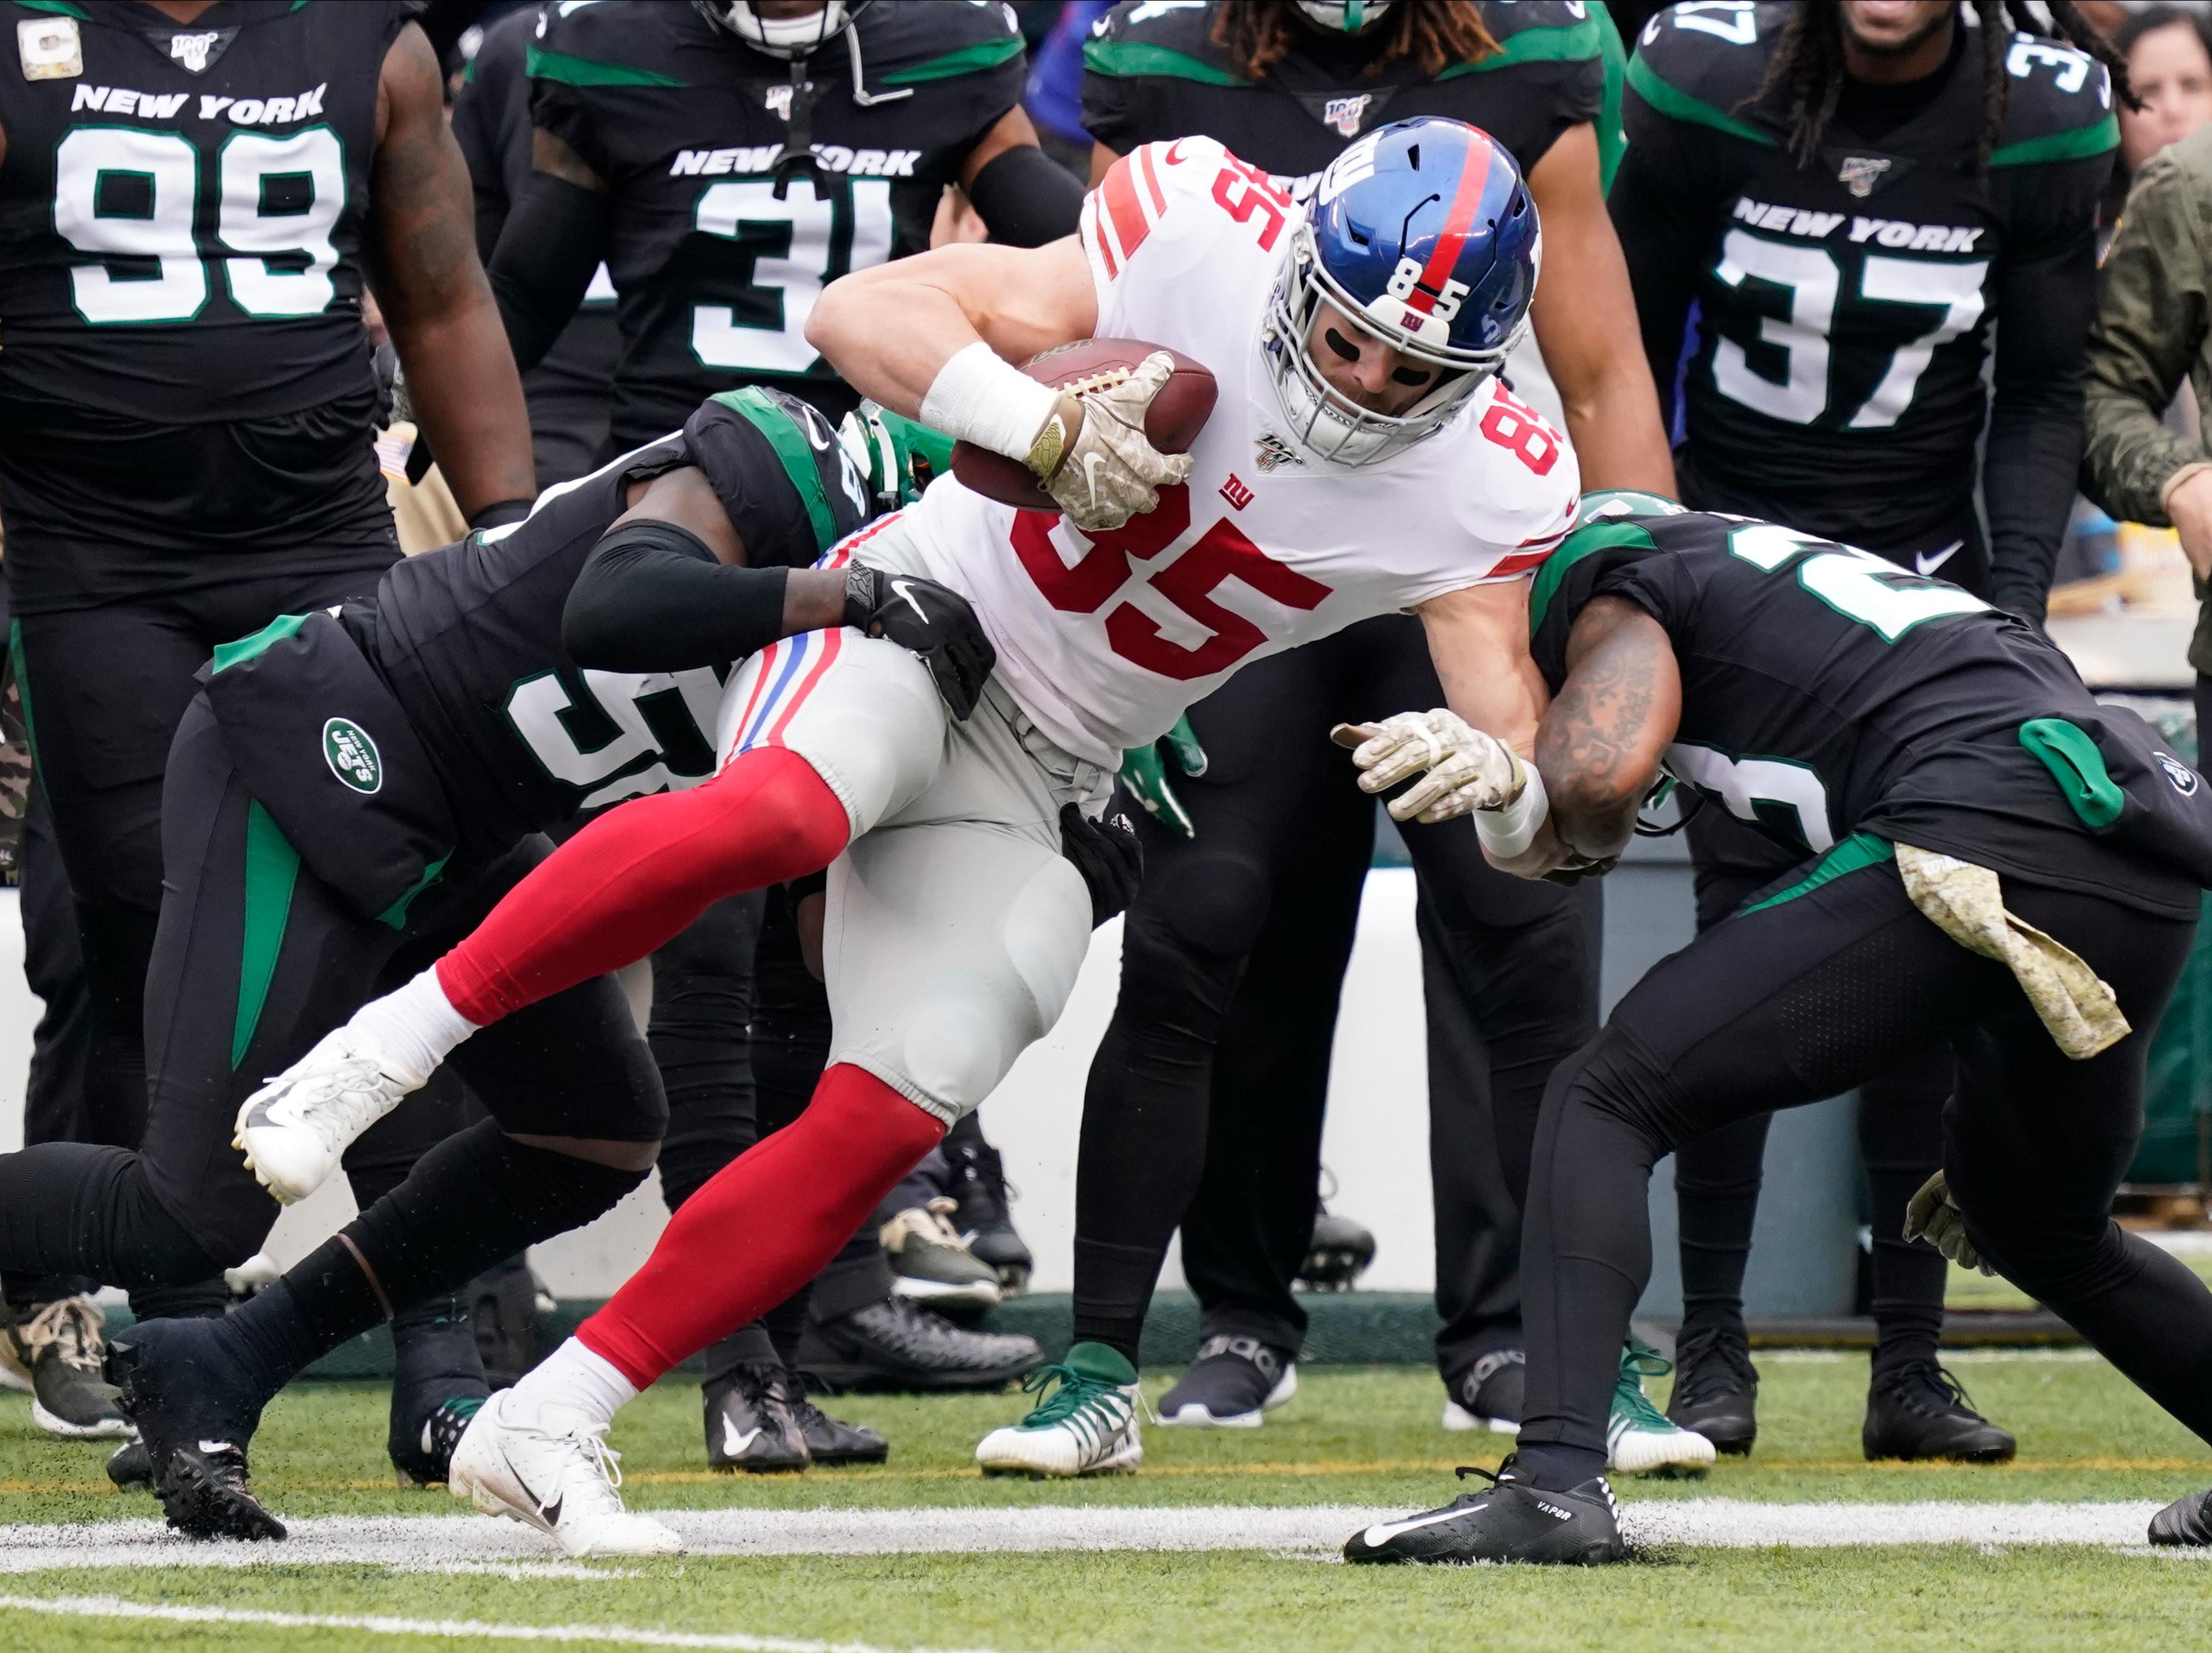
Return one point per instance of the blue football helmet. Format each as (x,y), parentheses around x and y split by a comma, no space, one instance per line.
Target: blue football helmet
(1421,235)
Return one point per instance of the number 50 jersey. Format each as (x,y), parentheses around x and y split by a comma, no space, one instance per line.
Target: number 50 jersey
(1837,382)
(1104,638)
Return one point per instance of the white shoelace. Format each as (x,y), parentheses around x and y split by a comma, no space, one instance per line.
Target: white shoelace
(339,1106)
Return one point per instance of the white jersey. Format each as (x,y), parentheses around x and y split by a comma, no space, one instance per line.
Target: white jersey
(1105,639)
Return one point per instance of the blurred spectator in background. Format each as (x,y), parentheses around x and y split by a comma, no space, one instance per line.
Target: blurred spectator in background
(2169,56)
(1054,96)
(2150,334)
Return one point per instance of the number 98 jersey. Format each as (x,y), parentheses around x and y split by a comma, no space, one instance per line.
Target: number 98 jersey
(181,206)
(1104,638)
(1846,304)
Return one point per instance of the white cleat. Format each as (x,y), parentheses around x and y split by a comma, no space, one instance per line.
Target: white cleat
(557,1474)
(1087,1426)
(1639,1439)
(1458,1420)
(293,1128)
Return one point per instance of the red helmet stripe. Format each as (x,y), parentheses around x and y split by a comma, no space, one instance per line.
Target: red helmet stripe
(1459,218)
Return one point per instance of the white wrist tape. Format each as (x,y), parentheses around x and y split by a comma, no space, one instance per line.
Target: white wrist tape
(1509,831)
(990,403)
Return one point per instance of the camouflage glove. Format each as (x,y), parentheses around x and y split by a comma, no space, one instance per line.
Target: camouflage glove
(1145,773)
(1932,1215)
(1093,456)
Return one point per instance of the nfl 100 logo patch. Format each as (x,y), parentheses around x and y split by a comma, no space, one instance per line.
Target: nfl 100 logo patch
(1346,114)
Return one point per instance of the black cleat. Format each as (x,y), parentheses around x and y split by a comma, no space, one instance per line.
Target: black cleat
(1338,1254)
(131,1469)
(1509,1522)
(195,1411)
(437,1385)
(1489,1394)
(2185,1521)
(985,1216)
(832,1440)
(1231,1383)
(1919,1411)
(1717,1389)
(896,1344)
(751,1423)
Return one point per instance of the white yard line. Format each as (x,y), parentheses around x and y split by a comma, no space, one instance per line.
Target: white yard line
(470,1544)
(474,1629)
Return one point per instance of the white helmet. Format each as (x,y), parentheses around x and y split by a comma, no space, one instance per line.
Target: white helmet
(782,37)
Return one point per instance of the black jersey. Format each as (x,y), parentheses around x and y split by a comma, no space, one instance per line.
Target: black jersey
(1153,72)
(715,272)
(184,382)
(181,207)
(469,637)
(1837,378)
(570,389)
(1827,692)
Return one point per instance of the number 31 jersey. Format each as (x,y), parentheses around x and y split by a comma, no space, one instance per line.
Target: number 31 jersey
(1104,638)
(181,206)
(1846,306)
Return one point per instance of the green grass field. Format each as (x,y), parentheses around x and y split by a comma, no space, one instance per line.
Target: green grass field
(1353,1438)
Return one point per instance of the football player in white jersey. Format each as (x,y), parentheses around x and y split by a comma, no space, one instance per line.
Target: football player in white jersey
(1362,459)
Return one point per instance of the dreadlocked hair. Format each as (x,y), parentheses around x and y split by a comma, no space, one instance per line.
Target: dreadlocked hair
(1807,70)
(1257,34)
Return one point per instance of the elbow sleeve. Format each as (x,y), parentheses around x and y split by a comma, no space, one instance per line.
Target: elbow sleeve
(1026,198)
(553,238)
(653,599)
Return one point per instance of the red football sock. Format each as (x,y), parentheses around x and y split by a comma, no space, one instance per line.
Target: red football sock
(796,1197)
(629,883)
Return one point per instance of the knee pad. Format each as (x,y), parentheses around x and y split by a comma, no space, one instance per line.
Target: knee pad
(1169,982)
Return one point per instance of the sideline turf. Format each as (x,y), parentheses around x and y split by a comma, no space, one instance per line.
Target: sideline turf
(1366,1437)
(1354,1436)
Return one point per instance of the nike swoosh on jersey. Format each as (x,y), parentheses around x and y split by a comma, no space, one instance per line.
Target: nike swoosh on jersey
(733,1443)
(905,590)
(1928,561)
(1383,1531)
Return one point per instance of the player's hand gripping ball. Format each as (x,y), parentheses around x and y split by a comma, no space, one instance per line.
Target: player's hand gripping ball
(1128,414)
(1463,768)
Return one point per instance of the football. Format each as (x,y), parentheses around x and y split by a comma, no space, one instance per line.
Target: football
(1172,422)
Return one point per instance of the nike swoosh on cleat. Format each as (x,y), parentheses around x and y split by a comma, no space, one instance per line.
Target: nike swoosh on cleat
(550,1513)
(1383,1531)
(906,592)
(732,1443)
(1928,561)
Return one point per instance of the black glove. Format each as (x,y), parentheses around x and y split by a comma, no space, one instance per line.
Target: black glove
(933,620)
(1106,852)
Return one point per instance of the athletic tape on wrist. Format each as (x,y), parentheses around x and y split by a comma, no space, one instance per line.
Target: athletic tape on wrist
(990,403)
(1509,831)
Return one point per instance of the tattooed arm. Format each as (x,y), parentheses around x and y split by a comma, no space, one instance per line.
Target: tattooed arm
(422,258)
(1600,745)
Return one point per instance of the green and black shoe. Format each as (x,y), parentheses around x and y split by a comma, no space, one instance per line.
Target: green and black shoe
(1086,1423)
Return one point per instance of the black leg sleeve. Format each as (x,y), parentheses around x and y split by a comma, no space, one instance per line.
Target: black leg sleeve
(703,1004)
(1246,1230)
(1901,1139)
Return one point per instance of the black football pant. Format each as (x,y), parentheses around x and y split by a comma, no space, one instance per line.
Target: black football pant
(1809,996)
(104,690)
(1206,1099)
(1717,1176)
(256,959)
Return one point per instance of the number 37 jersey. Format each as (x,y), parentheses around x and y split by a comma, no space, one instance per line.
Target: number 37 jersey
(1104,638)
(181,206)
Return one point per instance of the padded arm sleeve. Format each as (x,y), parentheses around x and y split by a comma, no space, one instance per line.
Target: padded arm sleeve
(652,598)
(555,236)
(1026,198)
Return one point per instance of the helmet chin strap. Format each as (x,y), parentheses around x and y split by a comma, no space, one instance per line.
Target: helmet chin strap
(796,158)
